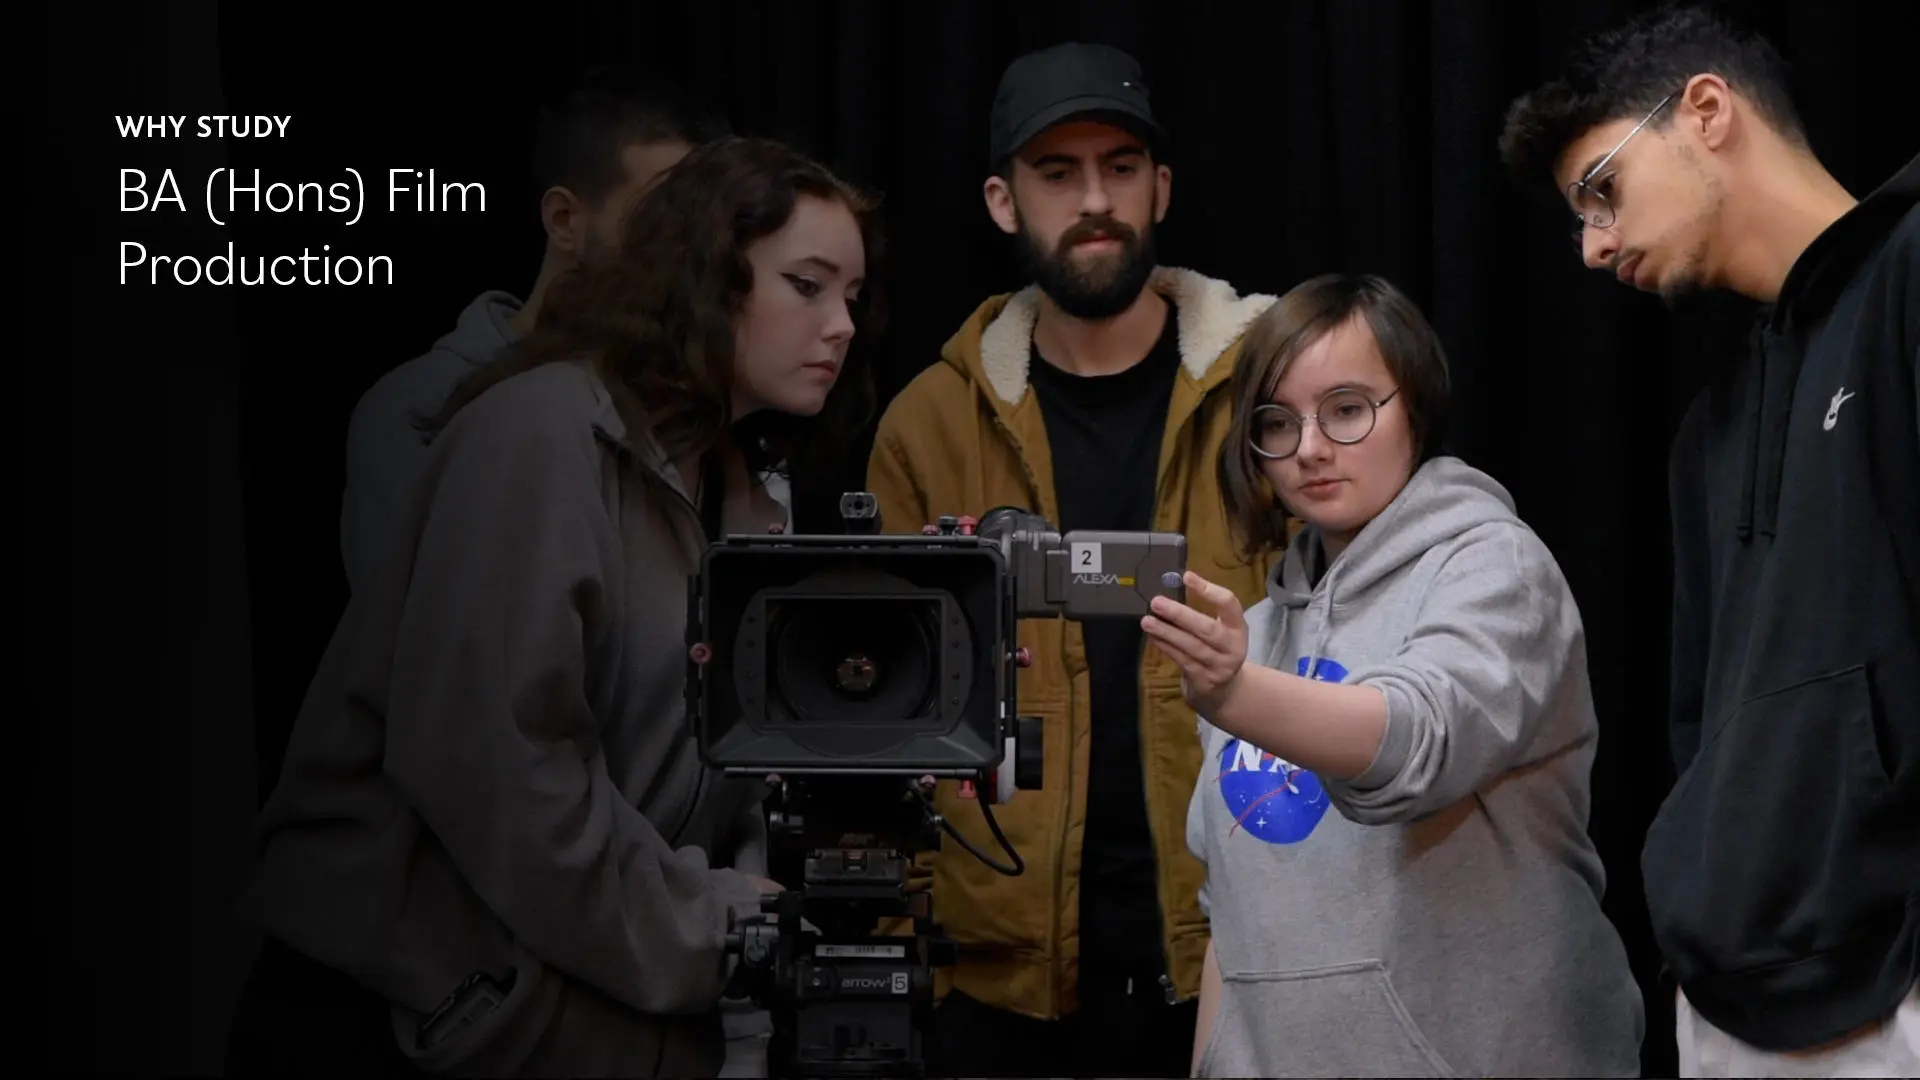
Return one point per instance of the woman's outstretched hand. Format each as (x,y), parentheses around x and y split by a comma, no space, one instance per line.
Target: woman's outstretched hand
(1210,649)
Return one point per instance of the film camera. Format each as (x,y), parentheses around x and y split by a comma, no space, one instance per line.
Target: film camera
(858,670)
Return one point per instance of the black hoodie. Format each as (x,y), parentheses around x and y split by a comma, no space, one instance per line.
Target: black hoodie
(1783,871)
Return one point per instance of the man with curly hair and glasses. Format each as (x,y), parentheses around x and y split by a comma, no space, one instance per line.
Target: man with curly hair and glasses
(1783,870)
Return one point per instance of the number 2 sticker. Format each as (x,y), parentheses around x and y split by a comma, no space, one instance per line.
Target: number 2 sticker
(1085,558)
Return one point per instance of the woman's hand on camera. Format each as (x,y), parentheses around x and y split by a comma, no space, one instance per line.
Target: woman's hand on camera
(1210,649)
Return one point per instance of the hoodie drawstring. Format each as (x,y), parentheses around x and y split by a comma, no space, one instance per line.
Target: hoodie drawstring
(1776,411)
(1756,346)
(1326,618)
(1765,464)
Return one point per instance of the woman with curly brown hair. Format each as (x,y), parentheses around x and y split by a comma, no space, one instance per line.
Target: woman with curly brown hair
(490,801)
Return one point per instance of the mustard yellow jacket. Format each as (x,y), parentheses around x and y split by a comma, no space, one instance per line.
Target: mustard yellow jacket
(966,436)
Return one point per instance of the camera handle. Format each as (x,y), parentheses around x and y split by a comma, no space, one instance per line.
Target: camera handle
(1024,765)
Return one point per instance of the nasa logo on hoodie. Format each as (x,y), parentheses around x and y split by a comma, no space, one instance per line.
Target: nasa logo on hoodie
(1268,796)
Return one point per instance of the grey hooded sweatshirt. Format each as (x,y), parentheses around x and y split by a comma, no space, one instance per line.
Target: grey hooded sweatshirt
(1444,918)
(491,769)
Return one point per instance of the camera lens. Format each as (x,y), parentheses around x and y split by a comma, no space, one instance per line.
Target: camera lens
(856,674)
(855,660)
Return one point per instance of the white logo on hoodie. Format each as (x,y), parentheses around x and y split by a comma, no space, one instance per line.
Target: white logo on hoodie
(1840,397)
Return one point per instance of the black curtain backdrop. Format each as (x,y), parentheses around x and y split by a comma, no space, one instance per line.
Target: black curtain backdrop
(1310,135)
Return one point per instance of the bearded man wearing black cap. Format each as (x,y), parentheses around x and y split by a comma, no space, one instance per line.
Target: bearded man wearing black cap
(1098,397)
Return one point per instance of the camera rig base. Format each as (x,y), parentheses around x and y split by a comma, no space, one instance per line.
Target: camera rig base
(846,1000)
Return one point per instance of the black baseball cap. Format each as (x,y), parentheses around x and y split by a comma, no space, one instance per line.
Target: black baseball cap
(1065,81)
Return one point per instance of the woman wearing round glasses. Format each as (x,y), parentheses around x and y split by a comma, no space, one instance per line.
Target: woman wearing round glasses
(1419,667)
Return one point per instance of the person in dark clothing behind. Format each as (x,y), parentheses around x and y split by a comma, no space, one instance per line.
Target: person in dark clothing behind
(1783,870)
(596,151)
(1097,397)
(489,799)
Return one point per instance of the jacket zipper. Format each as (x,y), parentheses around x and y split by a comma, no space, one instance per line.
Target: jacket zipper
(1060,848)
(700,771)
(1169,991)
(628,457)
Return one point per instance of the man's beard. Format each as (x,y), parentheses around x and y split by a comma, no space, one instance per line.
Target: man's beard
(1686,286)
(1101,290)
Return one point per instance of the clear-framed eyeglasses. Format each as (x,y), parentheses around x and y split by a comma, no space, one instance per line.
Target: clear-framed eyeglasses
(1591,206)
(1345,416)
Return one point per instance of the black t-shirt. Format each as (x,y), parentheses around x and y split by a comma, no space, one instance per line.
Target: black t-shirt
(1105,433)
